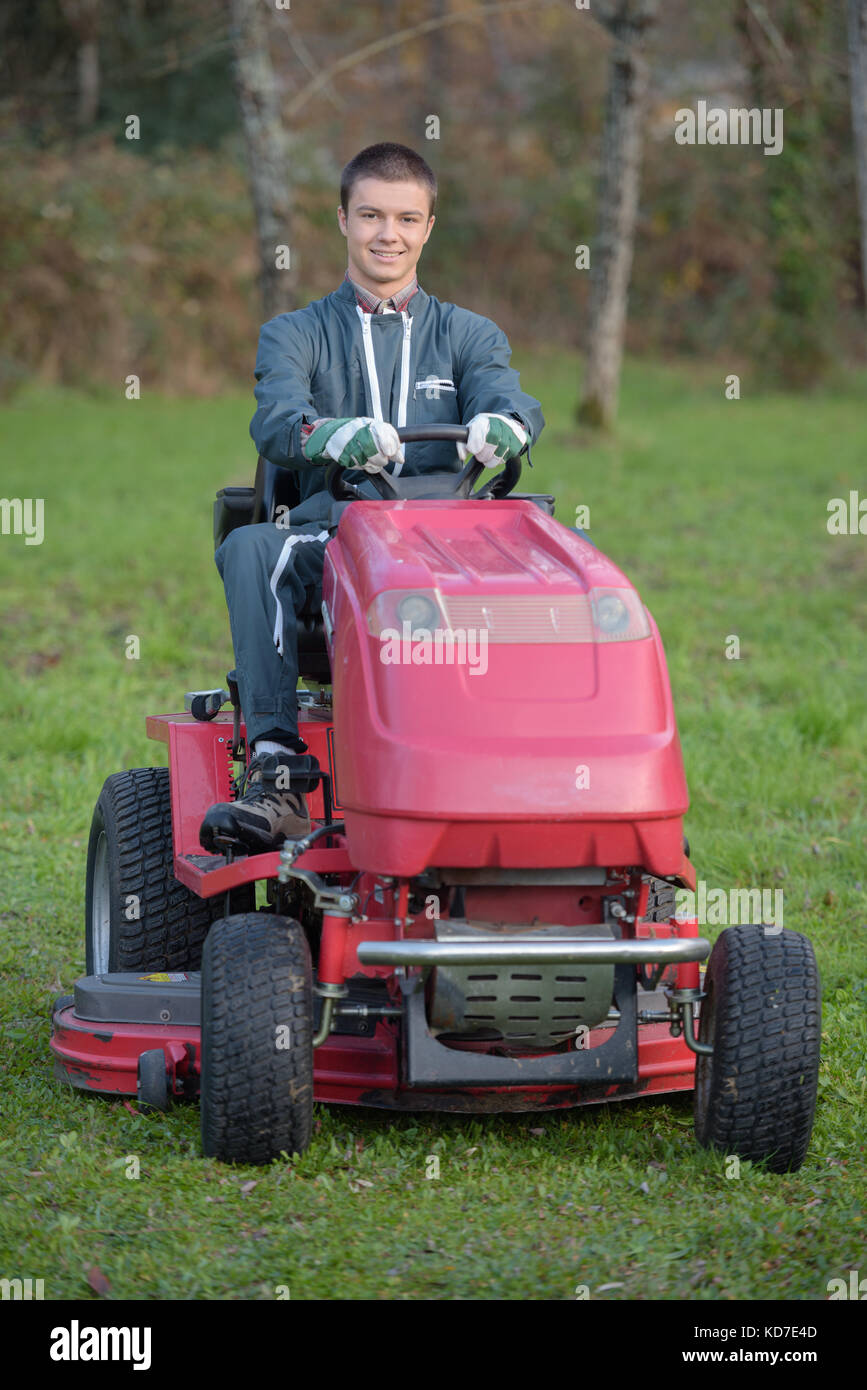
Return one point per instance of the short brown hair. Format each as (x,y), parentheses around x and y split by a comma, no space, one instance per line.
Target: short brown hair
(394,163)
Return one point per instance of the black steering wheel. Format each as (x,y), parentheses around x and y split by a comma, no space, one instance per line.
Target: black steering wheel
(428,485)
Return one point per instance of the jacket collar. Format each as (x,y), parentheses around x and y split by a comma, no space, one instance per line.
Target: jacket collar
(346,291)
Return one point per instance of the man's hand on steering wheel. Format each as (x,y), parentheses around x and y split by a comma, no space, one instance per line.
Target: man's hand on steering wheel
(493,439)
(359,442)
(443,485)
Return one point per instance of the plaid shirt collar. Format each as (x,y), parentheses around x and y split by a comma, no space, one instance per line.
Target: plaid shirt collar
(371,304)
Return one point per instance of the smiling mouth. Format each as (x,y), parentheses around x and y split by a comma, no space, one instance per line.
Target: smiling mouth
(386,255)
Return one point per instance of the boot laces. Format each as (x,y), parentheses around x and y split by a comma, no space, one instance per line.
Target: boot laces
(264,767)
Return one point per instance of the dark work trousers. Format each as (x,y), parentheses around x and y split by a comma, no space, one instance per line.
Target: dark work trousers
(269,574)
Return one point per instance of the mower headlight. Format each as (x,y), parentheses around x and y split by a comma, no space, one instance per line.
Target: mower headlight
(618,615)
(611,614)
(419,608)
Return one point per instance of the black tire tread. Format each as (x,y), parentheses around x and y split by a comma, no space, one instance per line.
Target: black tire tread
(173,923)
(661,901)
(152,1089)
(257,1099)
(763,1079)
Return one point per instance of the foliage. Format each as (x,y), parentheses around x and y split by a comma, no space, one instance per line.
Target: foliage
(139,256)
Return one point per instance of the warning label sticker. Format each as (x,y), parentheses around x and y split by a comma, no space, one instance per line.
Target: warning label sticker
(164,978)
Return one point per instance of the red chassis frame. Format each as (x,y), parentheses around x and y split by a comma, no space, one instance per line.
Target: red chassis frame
(347,1069)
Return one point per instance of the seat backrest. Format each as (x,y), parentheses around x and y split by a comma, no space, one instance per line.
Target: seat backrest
(274,487)
(278,487)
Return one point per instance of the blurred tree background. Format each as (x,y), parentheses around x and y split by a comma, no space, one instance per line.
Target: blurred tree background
(140,255)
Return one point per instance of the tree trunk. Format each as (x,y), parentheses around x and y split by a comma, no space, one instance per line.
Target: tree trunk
(612,250)
(267,150)
(858,88)
(82,16)
(439,57)
(793,341)
(503,74)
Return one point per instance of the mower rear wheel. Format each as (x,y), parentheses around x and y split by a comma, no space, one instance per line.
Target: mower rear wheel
(257,1039)
(138,916)
(755,1096)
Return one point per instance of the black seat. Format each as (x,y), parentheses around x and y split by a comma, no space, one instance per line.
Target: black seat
(239,506)
(313,660)
(275,487)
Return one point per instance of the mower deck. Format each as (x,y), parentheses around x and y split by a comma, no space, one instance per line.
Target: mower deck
(97,1041)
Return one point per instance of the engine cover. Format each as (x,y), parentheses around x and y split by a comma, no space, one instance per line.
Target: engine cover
(525,1006)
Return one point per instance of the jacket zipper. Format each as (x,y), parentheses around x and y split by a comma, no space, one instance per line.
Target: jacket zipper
(370,359)
(375,400)
(404,379)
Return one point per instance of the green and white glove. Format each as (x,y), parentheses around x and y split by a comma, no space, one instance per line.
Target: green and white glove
(361,442)
(492,439)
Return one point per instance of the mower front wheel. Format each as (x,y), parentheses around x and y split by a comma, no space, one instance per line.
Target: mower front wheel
(257,1039)
(755,1095)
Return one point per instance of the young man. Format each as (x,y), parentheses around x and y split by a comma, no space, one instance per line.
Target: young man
(334,382)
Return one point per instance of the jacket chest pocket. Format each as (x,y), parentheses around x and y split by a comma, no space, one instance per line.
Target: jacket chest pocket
(435,395)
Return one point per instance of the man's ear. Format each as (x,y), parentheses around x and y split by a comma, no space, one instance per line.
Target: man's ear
(429,230)
(341,218)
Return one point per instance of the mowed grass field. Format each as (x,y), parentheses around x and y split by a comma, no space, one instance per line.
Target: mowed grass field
(717,511)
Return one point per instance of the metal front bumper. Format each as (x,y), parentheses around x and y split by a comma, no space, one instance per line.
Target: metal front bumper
(589,951)
(429,1063)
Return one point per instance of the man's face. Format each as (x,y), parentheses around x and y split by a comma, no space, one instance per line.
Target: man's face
(385,228)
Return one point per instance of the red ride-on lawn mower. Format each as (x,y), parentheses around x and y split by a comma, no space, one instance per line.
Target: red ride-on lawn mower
(482,917)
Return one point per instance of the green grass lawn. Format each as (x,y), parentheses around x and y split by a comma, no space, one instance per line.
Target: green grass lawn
(717,511)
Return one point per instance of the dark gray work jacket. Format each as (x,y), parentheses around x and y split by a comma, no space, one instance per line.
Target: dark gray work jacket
(432,363)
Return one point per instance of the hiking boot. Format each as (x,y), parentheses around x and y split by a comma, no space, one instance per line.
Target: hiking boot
(267,813)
